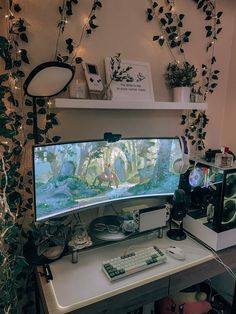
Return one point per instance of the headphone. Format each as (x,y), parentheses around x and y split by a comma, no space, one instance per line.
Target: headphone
(181,165)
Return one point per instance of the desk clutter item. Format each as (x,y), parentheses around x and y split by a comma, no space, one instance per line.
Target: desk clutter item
(93,78)
(80,241)
(78,87)
(109,228)
(133,262)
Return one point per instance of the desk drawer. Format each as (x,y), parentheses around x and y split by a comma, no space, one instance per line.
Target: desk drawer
(129,300)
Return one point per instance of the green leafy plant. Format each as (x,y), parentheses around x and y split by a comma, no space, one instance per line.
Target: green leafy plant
(181,75)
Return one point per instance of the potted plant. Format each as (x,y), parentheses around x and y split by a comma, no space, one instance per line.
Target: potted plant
(180,77)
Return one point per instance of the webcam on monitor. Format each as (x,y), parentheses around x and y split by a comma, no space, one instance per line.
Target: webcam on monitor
(110,137)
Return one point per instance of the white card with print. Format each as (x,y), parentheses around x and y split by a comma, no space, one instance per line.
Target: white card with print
(129,80)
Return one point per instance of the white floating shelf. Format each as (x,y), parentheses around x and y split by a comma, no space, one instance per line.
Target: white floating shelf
(69,103)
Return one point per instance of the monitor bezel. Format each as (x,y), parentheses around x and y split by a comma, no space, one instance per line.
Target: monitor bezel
(105,203)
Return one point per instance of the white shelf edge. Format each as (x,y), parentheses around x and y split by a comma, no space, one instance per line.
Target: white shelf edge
(70,103)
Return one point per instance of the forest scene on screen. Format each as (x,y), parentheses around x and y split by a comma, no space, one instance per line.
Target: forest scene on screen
(77,175)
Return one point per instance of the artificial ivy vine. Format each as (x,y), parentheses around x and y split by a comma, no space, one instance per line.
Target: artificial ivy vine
(65,11)
(171,25)
(16,122)
(13,180)
(172,33)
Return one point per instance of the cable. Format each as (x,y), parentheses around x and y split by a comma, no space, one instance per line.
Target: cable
(215,255)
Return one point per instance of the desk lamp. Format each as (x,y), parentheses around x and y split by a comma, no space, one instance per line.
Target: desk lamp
(47,80)
(178,212)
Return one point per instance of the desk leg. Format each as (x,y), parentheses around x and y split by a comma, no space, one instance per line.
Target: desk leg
(233,310)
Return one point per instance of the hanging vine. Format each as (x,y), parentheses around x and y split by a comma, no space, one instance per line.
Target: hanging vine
(14,183)
(196,121)
(171,25)
(66,10)
(173,35)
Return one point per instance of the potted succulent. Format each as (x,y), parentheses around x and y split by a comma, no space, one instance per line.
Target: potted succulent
(181,77)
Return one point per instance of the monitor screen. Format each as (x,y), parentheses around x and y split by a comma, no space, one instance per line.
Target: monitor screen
(72,176)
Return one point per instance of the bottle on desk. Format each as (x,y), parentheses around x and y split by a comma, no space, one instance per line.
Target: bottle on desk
(224,159)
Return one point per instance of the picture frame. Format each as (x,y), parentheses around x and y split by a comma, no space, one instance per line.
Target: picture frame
(128,79)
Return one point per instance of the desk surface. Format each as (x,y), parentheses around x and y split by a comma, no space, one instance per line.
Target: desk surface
(77,285)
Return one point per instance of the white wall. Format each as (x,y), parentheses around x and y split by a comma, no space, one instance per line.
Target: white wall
(123,28)
(228,132)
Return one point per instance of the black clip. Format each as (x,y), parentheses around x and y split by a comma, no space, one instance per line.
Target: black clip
(47,272)
(111,138)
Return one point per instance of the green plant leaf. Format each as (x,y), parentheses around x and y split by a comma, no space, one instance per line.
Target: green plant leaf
(163,21)
(213,85)
(24,37)
(29,121)
(200,4)
(30,136)
(154,5)
(161,41)
(78,60)
(42,111)
(55,139)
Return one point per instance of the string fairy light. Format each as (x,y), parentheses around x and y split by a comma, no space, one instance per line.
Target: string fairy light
(3,197)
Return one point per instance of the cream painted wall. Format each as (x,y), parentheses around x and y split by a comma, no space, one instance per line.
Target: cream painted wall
(123,28)
(228,132)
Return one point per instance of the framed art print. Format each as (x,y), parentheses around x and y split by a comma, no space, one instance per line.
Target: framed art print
(129,80)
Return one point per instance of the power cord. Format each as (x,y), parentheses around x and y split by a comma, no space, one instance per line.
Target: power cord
(215,255)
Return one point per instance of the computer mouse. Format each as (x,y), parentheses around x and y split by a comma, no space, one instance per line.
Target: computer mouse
(175,252)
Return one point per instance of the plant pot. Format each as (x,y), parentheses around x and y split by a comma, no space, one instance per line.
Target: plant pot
(181,94)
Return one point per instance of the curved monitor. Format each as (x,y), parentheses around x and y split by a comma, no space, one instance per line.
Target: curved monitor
(73,176)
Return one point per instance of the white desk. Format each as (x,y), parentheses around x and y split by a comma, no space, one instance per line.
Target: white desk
(75,286)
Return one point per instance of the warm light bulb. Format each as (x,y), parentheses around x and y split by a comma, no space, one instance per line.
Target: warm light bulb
(86,20)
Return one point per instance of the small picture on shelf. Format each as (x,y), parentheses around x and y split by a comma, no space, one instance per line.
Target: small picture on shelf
(128,80)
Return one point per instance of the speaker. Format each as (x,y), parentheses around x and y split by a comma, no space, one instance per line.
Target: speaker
(181,165)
